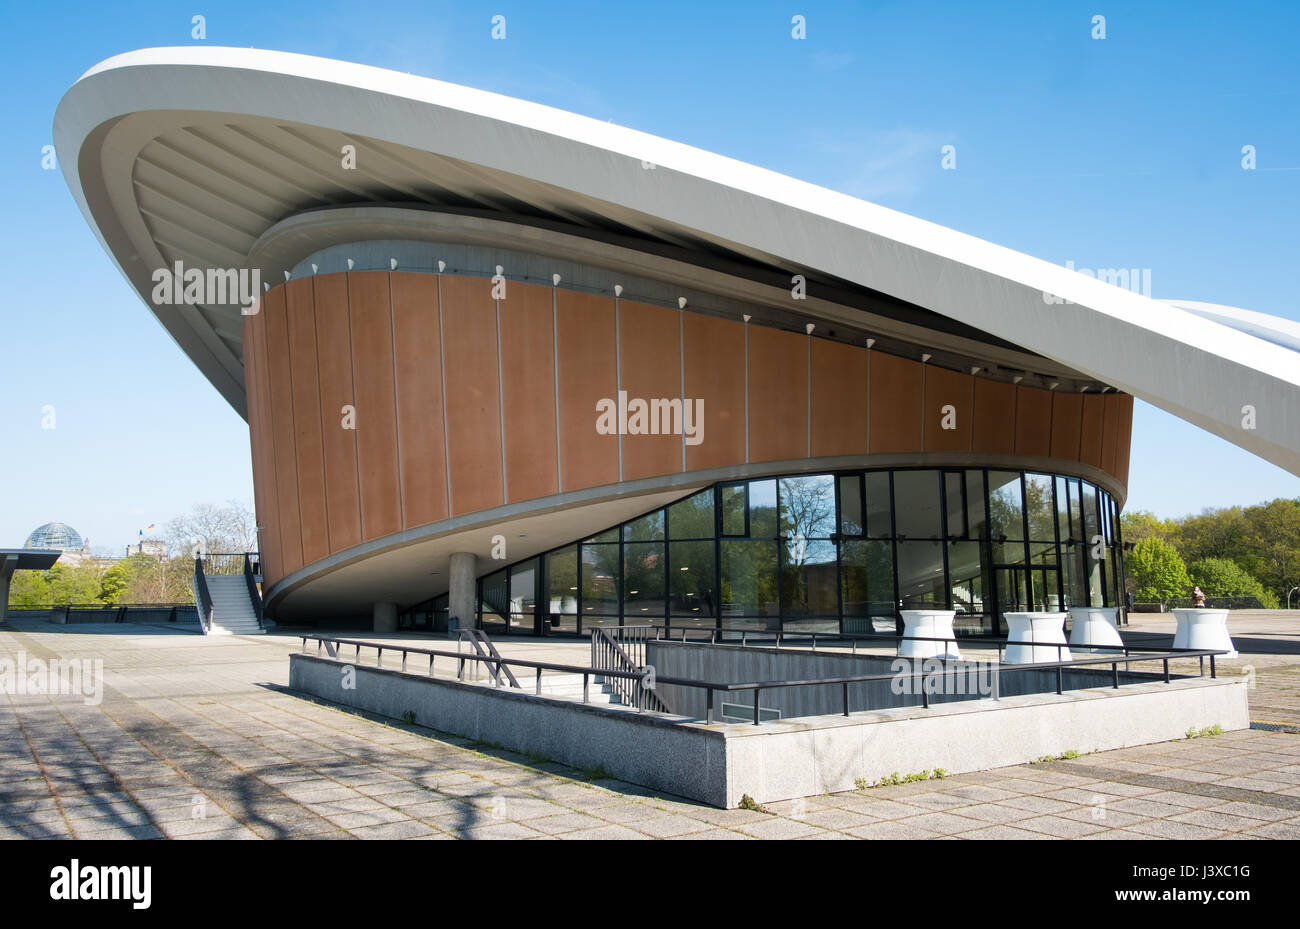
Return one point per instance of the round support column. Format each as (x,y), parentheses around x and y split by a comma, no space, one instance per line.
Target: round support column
(463,589)
(385,616)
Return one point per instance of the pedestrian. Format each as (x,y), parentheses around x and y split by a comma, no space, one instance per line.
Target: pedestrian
(1198,597)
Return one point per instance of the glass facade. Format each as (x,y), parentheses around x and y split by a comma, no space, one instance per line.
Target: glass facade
(828,552)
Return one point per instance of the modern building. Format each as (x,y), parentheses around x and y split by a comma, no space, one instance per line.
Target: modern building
(62,538)
(507,363)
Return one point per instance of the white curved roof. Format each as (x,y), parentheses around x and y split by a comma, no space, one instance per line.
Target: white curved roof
(193,152)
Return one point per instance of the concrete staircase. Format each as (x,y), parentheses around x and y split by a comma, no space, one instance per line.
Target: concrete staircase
(569,687)
(232,611)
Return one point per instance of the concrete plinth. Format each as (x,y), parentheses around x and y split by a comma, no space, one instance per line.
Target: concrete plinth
(385,616)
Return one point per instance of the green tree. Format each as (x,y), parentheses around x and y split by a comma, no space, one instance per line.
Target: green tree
(1220,577)
(29,588)
(1141,524)
(1158,571)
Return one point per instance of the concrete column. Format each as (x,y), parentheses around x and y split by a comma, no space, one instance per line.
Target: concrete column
(461,595)
(386,616)
(5,573)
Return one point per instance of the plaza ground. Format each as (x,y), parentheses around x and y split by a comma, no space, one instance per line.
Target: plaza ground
(200,738)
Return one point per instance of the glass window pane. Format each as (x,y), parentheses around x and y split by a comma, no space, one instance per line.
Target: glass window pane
(954,489)
(921,583)
(976,522)
(643,583)
(692,518)
(851,504)
(916,505)
(749,579)
(562,588)
(495,603)
(1062,510)
(867,585)
(691,579)
(808,579)
(733,509)
(1006,515)
(879,510)
(968,582)
(1076,593)
(808,506)
(609,535)
(762,510)
(1044,596)
(1039,508)
(599,581)
(523,596)
(649,528)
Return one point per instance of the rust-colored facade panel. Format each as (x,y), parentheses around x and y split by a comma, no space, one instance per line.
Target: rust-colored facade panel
(1110,433)
(528,382)
(300,314)
(949,410)
(994,422)
(469,332)
(1124,445)
(373,381)
(1090,433)
(587,373)
(778,394)
(896,385)
(650,368)
(334,372)
(417,358)
(839,399)
(1067,419)
(715,372)
(259,432)
(1033,421)
(282,429)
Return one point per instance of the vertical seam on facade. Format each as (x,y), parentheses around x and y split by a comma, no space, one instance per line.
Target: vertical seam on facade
(681,370)
(293,423)
(618,382)
(320,409)
(356,437)
(868,389)
(501,409)
(925,414)
(397,417)
(442,373)
(808,398)
(746,324)
(555,370)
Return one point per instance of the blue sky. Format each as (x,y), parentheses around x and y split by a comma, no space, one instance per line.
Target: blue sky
(1124,152)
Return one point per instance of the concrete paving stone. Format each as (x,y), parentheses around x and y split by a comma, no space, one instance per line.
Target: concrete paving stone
(564,823)
(368,818)
(1177,798)
(981,793)
(1105,816)
(89,831)
(891,809)
(940,801)
(942,823)
(502,830)
(1217,820)
(1038,804)
(606,833)
(407,829)
(1263,811)
(890,830)
(994,813)
(1002,832)
(350,805)
(1141,806)
(1286,830)
(724,818)
(669,826)
(777,829)
(1121,788)
(1172,829)
(1117,834)
(839,819)
(1061,827)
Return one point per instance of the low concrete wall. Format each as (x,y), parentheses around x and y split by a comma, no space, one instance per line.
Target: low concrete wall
(720,763)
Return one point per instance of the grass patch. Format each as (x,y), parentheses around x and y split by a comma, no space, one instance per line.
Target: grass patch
(749,803)
(409,717)
(895,779)
(1066,755)
(1208,732)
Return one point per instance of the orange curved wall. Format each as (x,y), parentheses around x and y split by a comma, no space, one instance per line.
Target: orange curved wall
(463,403)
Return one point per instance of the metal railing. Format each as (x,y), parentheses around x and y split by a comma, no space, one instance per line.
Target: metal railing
(622,648)
(924,677)
(484,647)
(254,595)
(202,598)
(224,562)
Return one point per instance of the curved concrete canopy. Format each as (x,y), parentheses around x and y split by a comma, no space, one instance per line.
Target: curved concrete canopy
(192,153)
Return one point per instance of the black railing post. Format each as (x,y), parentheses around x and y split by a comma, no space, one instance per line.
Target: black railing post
(756,692)
(708,716)
(1212,674)
(846,699)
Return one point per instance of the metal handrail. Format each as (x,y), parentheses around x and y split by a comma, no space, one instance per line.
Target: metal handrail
(254,595)
(203,597)
(607,653)
(484,646)
(329,643)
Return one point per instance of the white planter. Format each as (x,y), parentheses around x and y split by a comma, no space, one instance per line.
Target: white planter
(931,624)
(1044,630)
(1204,629)
(1095,626)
